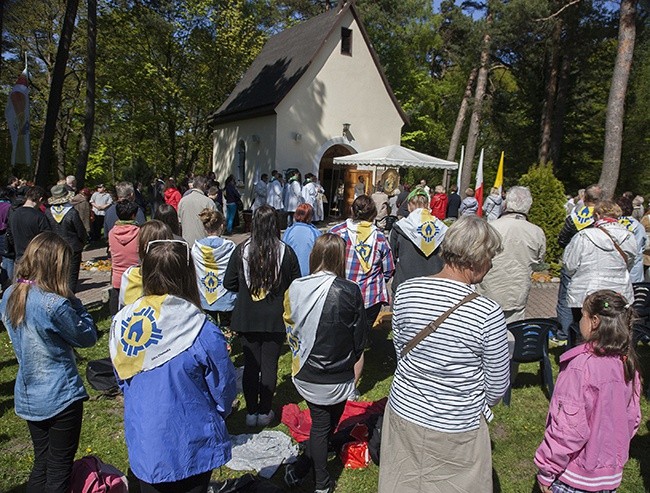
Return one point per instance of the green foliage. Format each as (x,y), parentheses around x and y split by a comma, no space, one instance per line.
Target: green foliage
(548,205)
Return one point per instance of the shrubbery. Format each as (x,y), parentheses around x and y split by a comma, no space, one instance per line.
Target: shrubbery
(548,205)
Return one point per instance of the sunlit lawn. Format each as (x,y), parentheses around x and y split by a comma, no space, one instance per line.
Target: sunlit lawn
(516,431)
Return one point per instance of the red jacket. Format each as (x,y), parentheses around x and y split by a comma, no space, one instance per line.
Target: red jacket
(438,205)
(172,197)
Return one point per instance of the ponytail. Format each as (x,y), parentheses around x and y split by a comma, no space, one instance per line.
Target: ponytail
(614,335)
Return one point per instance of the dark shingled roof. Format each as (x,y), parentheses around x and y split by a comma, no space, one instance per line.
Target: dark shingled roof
(283,60)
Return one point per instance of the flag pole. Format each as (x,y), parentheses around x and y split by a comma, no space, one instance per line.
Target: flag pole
(460,167)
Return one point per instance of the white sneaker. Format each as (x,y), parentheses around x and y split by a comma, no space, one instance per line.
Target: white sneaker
(265,419)
(252,420)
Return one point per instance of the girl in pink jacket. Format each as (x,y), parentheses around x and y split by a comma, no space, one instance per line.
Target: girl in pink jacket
(595,410)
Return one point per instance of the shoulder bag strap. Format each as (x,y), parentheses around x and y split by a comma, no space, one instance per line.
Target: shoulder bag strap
(616,245)
(433,326)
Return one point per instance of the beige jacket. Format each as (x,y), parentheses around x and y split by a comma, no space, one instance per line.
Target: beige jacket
(524,246)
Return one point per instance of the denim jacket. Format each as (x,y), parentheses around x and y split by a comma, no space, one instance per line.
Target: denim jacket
(48,380)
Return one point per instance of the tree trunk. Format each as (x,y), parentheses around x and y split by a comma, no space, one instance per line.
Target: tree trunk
(475,121)
(89,117)
(616,101)
(550,94)
(460,122)
(460,118)
(44,166)
(557,133)
(2,15)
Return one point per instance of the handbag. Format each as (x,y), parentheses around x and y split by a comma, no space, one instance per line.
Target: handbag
(431,327)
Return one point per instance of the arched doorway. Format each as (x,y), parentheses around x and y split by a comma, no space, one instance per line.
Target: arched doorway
(333,178)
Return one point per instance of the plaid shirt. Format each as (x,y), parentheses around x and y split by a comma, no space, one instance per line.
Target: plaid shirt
(373,283)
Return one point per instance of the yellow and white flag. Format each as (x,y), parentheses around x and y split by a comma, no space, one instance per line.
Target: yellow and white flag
(424,230)
(498,181)
(148,333)
(303,307)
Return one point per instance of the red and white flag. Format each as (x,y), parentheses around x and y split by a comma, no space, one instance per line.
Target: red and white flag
(479,185)
(17,115)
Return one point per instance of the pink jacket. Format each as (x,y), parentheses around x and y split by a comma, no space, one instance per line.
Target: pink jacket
(592,417)
(123,245)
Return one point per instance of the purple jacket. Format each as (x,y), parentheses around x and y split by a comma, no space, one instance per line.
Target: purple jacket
(592,417)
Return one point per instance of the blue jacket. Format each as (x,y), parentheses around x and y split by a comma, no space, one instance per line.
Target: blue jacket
(48,380)
(301,237)
(174,415)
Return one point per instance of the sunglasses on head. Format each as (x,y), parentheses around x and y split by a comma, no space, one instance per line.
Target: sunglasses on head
(183,242)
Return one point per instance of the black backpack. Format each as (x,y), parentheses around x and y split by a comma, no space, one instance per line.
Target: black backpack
(101,376)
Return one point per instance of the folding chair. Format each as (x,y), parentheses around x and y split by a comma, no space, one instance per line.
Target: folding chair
(531,344)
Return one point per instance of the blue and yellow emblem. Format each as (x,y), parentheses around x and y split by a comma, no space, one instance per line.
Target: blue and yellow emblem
(364,244)
(139,332)
(428,231)
(583,217)
(211,282)
(627,223)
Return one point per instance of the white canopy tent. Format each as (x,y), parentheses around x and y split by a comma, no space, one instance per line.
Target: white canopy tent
(395,156)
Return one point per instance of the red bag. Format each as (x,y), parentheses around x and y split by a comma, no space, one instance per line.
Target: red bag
(354,455)
(91,475)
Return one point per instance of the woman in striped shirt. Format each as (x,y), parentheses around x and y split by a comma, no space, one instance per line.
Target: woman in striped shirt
(435,436)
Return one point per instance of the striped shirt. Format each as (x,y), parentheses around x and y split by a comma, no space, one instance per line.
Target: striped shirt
(450,378)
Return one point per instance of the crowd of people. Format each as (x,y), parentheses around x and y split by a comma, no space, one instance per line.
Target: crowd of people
(454,281)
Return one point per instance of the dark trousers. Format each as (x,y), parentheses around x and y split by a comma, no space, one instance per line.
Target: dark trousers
(324,420)
(372,312)
(261,354)
(222,318)
(55,444)
(96,228)
(75,265)
(193,484)
(113,301)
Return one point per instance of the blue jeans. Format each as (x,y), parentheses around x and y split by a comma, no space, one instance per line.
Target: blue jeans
(231,210)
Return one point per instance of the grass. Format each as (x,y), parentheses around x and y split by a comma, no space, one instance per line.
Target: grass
(516,430)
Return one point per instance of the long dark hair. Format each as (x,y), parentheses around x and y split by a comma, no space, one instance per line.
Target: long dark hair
(613,335)
(168,215)
(264,251)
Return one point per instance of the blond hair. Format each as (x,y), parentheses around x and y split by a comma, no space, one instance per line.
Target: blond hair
(46,264)
(608,208)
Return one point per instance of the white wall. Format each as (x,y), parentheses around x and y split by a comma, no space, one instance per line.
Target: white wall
(260,156)
(336,89)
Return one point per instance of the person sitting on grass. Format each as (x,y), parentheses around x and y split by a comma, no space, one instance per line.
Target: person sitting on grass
(176,376)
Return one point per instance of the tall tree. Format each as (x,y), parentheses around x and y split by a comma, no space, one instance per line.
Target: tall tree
(462,114)
(44,166)
(479,95)
(89,116)
(616,102)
